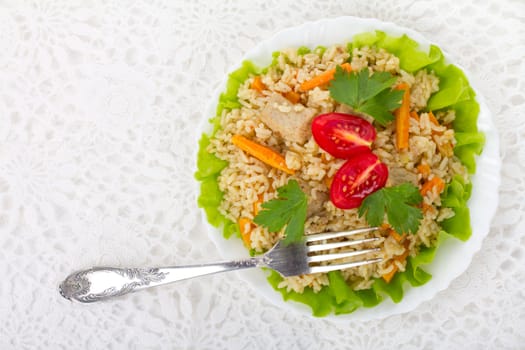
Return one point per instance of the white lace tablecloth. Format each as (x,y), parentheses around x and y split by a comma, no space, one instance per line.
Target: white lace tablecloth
(99,103)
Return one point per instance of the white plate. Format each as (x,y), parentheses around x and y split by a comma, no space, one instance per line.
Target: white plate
(453,256)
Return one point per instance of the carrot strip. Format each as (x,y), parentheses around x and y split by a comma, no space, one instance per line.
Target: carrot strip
(423,169)
(396,235)
(427,207)
(257,204)
(292,96)
(432,118)
(388,276)
(328,181)
(430,184)
(263,153)
(257,84)
(323,78)
(402,118)
(447,149)
(414,115)
(245,226)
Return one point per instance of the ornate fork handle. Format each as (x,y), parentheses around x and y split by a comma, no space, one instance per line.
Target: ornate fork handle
(102,283)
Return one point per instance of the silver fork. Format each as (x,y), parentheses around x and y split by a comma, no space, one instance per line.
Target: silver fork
(102,283)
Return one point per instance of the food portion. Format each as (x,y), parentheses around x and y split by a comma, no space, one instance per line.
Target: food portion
(368,133)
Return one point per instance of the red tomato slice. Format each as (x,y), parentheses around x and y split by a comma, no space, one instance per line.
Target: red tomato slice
(343,135)
(357,178)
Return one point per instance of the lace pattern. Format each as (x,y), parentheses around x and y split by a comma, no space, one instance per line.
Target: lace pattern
(99,108)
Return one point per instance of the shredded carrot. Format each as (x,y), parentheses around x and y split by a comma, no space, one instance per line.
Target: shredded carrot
(256,205)
(388,276)
(245,226)
(414,115)
(396,235)
(385,226)
(427,207)
(257,84)
(423,169)
(436,182)
(328,181)
(402,118)
(323,78)
(434,121)
(432,118)
(263,153)
(292,96)
(445,148)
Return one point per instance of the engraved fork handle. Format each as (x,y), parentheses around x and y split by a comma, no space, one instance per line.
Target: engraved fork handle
(102,283)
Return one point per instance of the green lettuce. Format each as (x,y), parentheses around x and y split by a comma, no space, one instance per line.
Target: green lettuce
(455,93)
(209,166)
(303,50)
(411,58)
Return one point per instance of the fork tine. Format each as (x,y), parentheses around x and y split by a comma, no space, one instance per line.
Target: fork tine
(327,246)
(328,268)
(327,257)
(331,235)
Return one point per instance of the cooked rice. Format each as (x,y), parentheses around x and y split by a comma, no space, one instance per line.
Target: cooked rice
(247,181)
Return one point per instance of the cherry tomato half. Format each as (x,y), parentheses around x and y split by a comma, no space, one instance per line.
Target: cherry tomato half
(357,178)
(343,135)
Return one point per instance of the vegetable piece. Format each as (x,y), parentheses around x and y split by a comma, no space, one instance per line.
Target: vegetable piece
(360,176)
(323,78)
(435,182)
(423,169)
(257,84)
(388,276)
(396,235)
(292,96)
(427,208)
(328,181)
(367,94)
(403,118)
(263,153)
(245,227)
(343,135)
(289,208)
(414,115)
(397,203)
(303,50)
(433,118)
(257,204)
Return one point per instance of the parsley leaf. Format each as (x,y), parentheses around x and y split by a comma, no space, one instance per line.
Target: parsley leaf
(398,203)
(370,94)
(289,208)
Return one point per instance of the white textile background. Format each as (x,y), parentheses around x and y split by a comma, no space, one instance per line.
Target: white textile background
(99,104)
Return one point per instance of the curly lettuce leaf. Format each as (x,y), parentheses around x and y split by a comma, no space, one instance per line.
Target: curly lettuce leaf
(455,196)
(228,99)
(411,58)
(338,297)
(208,165)
(303,50)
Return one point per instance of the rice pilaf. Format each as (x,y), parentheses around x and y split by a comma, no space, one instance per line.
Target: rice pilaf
(247,182)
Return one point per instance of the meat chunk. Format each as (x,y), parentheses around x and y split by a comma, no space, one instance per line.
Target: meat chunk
(315,205)
(397,176)
(281,116)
